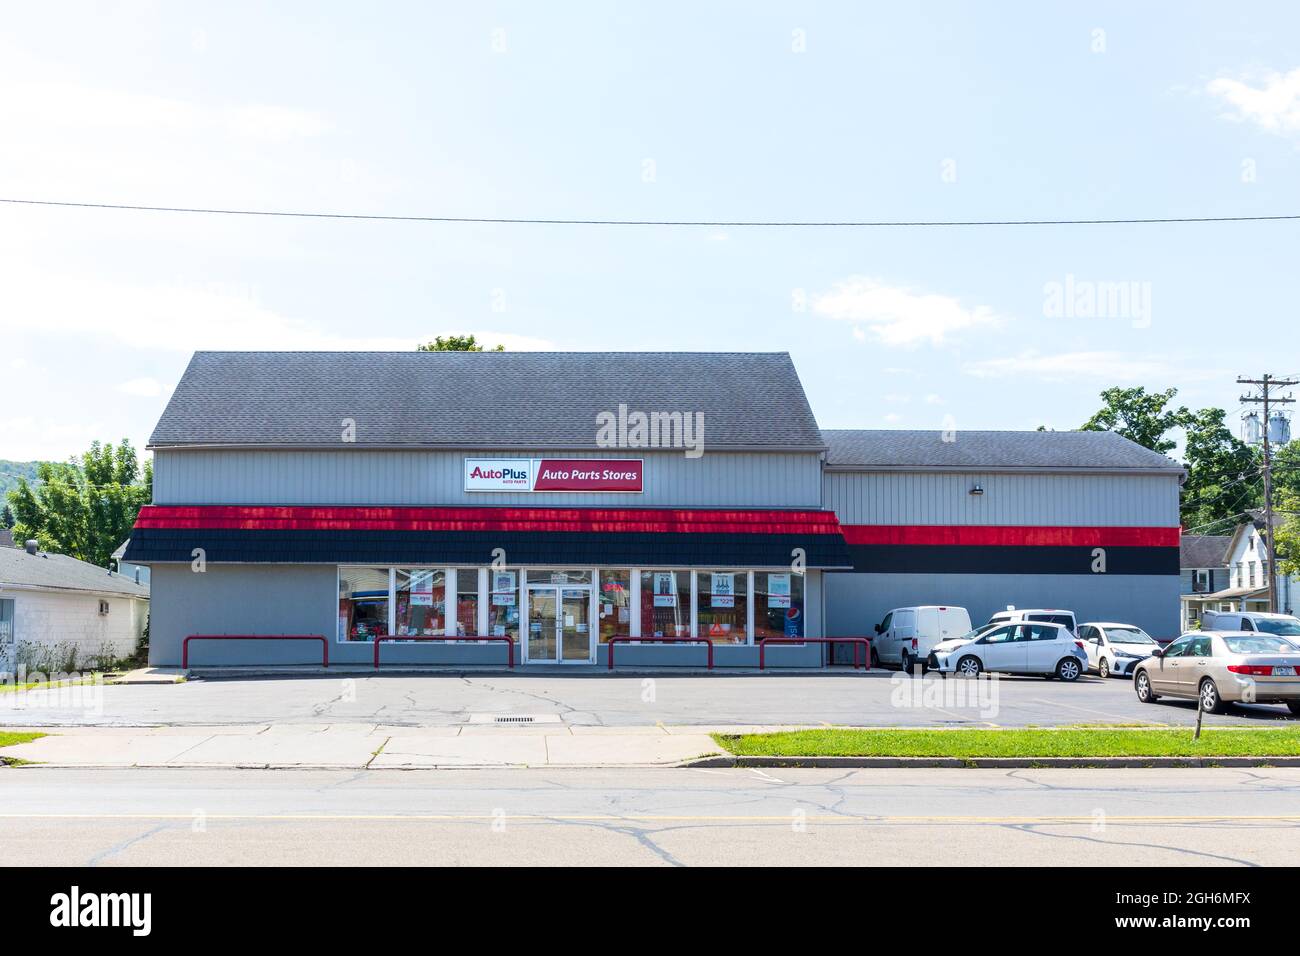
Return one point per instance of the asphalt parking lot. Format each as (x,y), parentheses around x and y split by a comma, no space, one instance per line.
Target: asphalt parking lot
(877,698)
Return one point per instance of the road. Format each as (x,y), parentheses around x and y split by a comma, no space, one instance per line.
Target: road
(880,698)
(1220,817)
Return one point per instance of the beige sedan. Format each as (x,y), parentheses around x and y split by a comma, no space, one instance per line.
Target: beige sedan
(1223,667)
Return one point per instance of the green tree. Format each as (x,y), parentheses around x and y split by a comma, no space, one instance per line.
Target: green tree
(1223,472)
(7,517)
(1286,539)
(455,343)
(84,509)
(1140,417)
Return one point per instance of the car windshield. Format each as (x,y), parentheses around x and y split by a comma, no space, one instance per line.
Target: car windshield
(1258,645)
(1275,625)
(971,635)
(1129,635)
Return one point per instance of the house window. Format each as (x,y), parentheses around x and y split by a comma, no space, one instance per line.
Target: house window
(6,621)
(1251,573)
(1200,581)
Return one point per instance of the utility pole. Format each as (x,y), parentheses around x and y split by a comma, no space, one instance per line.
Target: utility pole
(1265,398)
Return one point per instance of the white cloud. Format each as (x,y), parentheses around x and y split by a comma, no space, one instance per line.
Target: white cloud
(142,387)
(900,316)
(1103,366)
(1273,105)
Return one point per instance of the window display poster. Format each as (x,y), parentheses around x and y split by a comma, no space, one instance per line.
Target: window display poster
(665,589)
(723,590)
(778,590)
(503,588)
(421,589)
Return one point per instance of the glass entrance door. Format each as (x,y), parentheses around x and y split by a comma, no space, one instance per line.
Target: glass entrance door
(559,625)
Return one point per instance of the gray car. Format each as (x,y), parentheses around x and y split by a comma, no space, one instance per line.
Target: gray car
(1223,667)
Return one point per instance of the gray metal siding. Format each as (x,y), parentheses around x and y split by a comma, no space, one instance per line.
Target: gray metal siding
(371,477)
(856,602)
(942,498)
(303,599)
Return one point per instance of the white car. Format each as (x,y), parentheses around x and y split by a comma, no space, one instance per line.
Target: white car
(1115,649)
(907,634)
(1037,647)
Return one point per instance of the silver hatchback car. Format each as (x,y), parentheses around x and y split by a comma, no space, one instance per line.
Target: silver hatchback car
(1222,667)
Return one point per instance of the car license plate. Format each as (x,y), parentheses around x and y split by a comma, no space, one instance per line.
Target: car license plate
(1282,671)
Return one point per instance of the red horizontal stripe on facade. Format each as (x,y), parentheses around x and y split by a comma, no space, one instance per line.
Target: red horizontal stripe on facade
(1011,536)
(591,520)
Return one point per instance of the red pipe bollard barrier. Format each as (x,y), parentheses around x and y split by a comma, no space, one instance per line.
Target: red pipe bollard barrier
(185,645)
(864,642)
(627,639)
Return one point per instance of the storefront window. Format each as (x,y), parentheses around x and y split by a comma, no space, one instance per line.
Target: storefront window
(363,603)
(559,577)
(466,602)
(614,604)
(503,604)
(666,603)
(421,602)
(778,604)
(723,606)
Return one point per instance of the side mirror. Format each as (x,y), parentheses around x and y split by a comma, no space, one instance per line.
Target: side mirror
(879,629)
(1158,652)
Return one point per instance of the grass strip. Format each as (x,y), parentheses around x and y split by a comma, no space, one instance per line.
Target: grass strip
(1016,742)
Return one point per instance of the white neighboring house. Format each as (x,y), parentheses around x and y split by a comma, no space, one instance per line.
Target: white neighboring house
(1248,570)
(51,605)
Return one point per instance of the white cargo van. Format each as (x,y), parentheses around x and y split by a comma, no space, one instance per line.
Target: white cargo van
(906,634)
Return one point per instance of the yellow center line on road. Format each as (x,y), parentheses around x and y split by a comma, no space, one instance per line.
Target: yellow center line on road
(656,818)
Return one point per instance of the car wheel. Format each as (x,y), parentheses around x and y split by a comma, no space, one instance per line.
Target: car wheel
(1068,669)
(1103,668)
(905,662)
(1211,702)
(969,666)
(1294,707)
(1142,684)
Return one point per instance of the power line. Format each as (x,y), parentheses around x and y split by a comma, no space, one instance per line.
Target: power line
(721,223)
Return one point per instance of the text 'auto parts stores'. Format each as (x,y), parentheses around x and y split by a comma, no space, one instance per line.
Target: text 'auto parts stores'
(450,494)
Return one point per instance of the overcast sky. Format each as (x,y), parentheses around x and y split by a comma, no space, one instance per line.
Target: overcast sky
(699,111)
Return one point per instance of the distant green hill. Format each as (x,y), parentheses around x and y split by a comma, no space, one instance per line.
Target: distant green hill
(11,471)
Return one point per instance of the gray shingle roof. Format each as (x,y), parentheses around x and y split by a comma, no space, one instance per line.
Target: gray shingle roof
(1100,451)
(1203,550)
(481,399)
(58,572)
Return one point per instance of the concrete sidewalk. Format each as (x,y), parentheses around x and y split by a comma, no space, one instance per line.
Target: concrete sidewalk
(368,746)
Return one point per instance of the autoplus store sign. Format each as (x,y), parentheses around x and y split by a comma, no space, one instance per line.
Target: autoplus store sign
(555,474)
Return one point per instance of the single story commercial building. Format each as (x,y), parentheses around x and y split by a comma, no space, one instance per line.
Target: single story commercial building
(563,499)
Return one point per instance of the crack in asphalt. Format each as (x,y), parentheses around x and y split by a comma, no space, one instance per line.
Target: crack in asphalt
(1033,828)
(127,844)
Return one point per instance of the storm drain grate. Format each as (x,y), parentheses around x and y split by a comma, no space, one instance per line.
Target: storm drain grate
(515,719)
